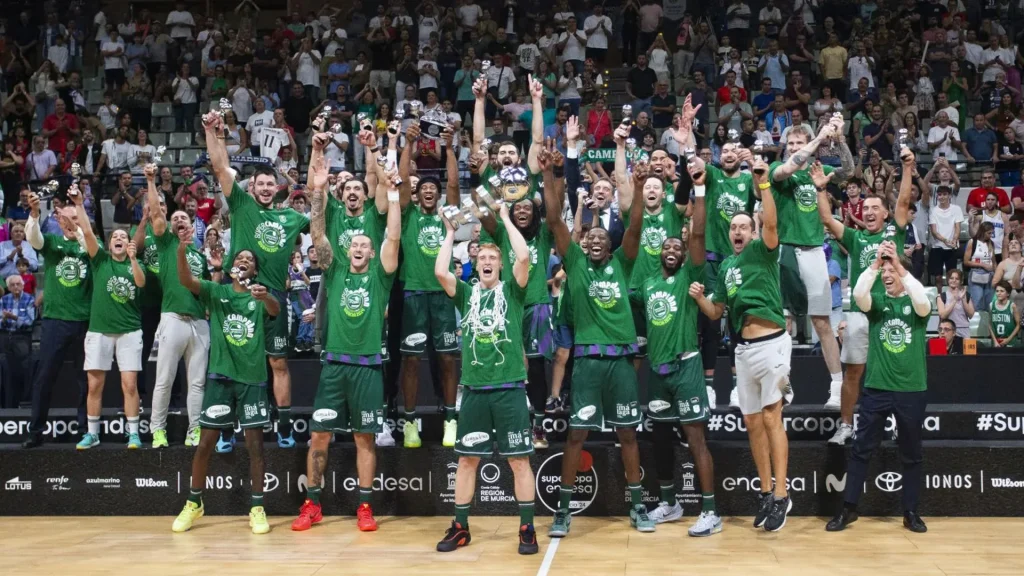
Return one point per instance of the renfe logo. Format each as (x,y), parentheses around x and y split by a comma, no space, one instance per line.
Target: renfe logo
(549,480)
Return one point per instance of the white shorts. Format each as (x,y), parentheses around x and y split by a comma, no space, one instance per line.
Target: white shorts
(813,271)
(762,373)
(855,339)
(101,349)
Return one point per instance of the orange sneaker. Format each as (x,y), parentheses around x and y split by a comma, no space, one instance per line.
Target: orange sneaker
(364,516)
(309,514)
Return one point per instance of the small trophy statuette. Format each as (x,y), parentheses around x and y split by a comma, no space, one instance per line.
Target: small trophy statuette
(485,66)
(734,135)
(159,155)
(415,108)
(627,114)
(223,107)
(903,138)
(76,168)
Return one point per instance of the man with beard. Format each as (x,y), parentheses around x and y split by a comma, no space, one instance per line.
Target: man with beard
(604,386)
(537,329)
(66,308)
(748,286)
(350,396)
(493,376)
(804,271)
(428,317)
(862,245)
(237,385)
(677,391)
(184,331)
(270,235)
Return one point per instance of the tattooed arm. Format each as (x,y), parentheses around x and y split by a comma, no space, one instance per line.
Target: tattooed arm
(846,163)
(317,204)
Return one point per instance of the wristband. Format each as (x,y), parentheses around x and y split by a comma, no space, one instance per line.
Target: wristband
(572,152)
(698,191)
(393,196)
(218,268)
(375,149)
(764,186)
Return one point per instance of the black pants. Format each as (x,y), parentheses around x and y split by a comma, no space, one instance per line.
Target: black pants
(522,140)
(875,407)
(629,46)
(62,340)
(17,347)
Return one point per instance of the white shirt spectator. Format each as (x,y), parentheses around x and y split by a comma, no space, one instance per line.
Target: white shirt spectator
(569,88)
(502,77)
(181,24)
(806,7)
(527,55)
(944,220)
(307,71)
(733,13)
(937,134)
(426,80)
(562,18)
(334,154)
(575,49)
(470,14)
(113,62)
(107,115)
(118,155)
(241,103)
(650,17)
(39,163)
(335,41)
(773,69)
(860,67)
(995,68)
(185,92)
(598,38)
(205,37)
(774,15)
(58,54)
(255,124)
(973,53)
(149,150)
(100,22)
(428,24)
(126,29)
(953,113)
(271,140)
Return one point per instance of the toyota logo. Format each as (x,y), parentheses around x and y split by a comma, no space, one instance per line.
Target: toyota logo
(889,481)
(270,482)
(490,473)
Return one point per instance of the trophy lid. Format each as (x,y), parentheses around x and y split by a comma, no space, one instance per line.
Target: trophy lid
(485,65)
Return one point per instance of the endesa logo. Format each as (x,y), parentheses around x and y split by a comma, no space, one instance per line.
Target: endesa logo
(549,480)
(382,483)
(797,484)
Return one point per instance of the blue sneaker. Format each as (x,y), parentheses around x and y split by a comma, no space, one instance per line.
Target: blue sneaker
(283,442)
(88,441)
(225,446)
(134,442)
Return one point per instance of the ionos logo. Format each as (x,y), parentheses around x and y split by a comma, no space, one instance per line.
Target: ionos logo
(270,236)
(324,414)
(797,484)
(948,481)
(384,483)
(549,480)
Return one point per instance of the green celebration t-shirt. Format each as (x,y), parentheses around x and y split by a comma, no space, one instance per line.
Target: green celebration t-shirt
(422,234)
(723,198)
(796,199)
(237,349)
(269,234)
(863,247)
(492,333)
(655,229)
(341,227)
(176,298)
(116,300)
(356,306)
(563,306)
(1002,319)
(150,261)
(540,254)
(748,284)
(68,281)
(896,345)
(671,313)
(600,298)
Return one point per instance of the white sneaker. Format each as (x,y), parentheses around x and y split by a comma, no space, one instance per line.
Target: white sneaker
(712,398)
(384,437)
(450,433)
(665,513)
(734,398)
(844,433)
(707,523)
(835,396)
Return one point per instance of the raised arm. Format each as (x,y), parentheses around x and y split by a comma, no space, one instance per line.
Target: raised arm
(318,179)
(622,179)
(213,126)
(412,137)
(631,238)
(537,124)
(553,208)
(769,216)
(862,290)
(92,246)
(389,249)
(443,263)
(138,274)
(821,180)
(799,160)
(521,264)
(479,115)
(697,248)
(906,197)
(451,196)
(157,219)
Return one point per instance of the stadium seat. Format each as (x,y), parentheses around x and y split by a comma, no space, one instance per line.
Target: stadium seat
(158,139)
(161,109)
(166,124)
(180,140)
(188,157)
(95,97)
(168,159)
(93,83)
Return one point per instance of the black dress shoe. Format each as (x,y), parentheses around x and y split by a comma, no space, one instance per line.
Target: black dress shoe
(840,521)
(913,522)
(34,441)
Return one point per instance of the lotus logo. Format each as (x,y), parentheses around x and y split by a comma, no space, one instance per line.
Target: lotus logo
(474,438)
(889,481)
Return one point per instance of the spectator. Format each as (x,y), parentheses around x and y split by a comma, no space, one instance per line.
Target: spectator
(976,199)
(15,249)
(598,28)
(879,135)
(733,113)
(137,96)
(860,66)
(723,94)
(1004,317)
(18,313)
(181,23)
(778,119)
(764,99)
(116,154)
(1010,155)
(60,127)
(956,304)
(737,16)
(572,45)
(981,141)
(88,152)
(734,70)
(704,46)
(630,30)
(944,139)
(569,86)
(125,202)
(663,106)
(774,65)
(44,86)
(979,263)
(429,74)
(832,61)
(954,342)
(771,18)
(650,22)
(944,222)
(113,61)
(307,69)
(41,163)
(943,105)
(913,246)
(186,102)
(599,123)
(659,56)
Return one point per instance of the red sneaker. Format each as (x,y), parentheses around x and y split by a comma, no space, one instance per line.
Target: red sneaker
(364,516)
(309,514)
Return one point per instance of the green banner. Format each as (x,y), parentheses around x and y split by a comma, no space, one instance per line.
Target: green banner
(608,155)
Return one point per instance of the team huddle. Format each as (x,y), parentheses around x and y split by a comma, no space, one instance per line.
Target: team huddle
(699,243)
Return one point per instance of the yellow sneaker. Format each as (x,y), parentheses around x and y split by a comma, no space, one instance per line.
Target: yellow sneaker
(450,428)
(412,435)
(258,520)
(189,514)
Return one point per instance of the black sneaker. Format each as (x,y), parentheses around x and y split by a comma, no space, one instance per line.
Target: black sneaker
(777,518)
(455,537)
(840,521)
(527,540)
(764,508)
(913,522)
(553,405)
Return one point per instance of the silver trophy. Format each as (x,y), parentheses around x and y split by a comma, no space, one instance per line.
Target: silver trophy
(336,128)
(489,203)
(485,65)
(159,154)
(320,124)
(434,123)
(833,143)
(400,114)
(48,190)
(689,154)
(759,155)
(495,181)
(223,107)
(470,209)
(454,216)
(76,169)
(382,160)
(394,127)
(236,272)
(485,145)
(415,108)
(630,144)
(364,121)
(627,114)
(587,200)
(903,138)
(734,136)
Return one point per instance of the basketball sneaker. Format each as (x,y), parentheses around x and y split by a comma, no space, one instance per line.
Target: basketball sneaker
(258,520)
(225,446)
(712,398)
(159,439)
(364,518)
(560,524)
(707,523)
(665,513)
(764,508)
(88,441)
(454,538)
(384,437)
(192,437)
(134,442)
(412,435)
(528,540)
(844,433)
(450,433)
(777,518)
(734,398)
(540,440)
(309,514)
(553,405)
(189,514)
(639,519)
(835,396)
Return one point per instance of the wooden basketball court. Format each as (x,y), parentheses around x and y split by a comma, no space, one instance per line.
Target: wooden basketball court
(597,546)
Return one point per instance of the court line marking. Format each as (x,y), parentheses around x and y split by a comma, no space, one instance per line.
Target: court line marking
(549,557)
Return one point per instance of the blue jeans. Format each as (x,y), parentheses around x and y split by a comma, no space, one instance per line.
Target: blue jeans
(641,105)
(1009,178)
(573,103)
(305,328)
(61,340)
(981,294)
(184,115)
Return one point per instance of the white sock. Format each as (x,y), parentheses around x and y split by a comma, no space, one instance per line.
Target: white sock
(133,425)
(837,378)
(94,425)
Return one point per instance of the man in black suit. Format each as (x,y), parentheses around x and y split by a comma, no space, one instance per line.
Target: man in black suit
(89,152)
(601,194)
